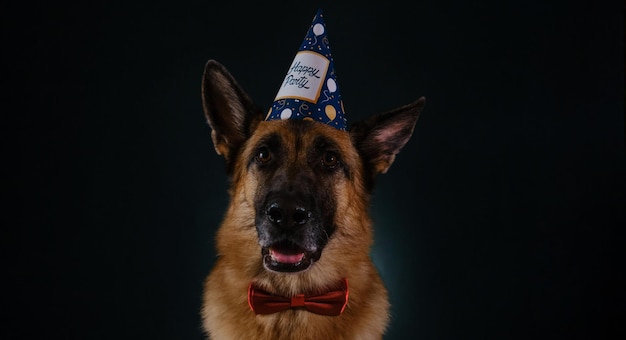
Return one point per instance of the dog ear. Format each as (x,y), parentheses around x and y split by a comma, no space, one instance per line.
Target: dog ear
(230,112)
(379,138)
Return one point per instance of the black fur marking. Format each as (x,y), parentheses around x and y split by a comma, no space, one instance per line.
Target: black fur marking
(290,184)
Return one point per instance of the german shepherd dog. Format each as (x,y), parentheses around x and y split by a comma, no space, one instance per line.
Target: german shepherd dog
(297,225)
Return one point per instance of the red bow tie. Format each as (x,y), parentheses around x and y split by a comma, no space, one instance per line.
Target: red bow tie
(331,304)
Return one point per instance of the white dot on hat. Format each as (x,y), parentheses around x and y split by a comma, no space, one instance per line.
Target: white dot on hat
(331,84)
(285,114)
(318,29)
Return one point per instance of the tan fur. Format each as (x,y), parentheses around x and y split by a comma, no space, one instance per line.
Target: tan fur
(239,263)
(225,311)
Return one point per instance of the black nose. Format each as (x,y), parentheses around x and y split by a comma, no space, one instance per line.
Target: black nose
(287,214)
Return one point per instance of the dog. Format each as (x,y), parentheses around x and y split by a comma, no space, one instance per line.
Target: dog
(297,225)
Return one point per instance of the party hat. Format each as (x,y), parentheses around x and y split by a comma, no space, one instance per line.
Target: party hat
(309,90)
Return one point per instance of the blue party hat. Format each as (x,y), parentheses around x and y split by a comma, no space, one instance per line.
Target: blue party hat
(309,90)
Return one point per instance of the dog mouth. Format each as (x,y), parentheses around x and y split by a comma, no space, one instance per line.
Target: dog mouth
(286,257)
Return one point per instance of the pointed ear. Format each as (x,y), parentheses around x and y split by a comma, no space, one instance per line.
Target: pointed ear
(379,138)
(230,112)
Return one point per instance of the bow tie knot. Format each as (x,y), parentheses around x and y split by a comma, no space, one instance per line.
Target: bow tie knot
(331,303)
(297,301)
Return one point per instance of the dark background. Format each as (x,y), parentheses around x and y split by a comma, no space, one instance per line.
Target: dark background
(502,218)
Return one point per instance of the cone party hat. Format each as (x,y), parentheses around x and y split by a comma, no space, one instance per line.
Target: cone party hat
(309,90)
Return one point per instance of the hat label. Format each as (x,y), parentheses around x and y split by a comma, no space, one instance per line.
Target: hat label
(305,76)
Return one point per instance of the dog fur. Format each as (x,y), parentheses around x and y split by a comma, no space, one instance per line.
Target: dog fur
(330,172)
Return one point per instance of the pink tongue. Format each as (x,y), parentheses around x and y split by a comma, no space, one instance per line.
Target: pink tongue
(286,258)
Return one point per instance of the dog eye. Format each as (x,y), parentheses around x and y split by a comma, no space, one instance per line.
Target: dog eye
(263,155)
(330,160)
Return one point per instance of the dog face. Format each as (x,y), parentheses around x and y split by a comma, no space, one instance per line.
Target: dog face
(303,181)
(296,169)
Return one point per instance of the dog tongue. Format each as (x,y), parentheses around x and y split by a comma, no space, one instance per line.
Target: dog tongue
(286,258)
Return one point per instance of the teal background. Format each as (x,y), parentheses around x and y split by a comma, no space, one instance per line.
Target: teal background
(503,217)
